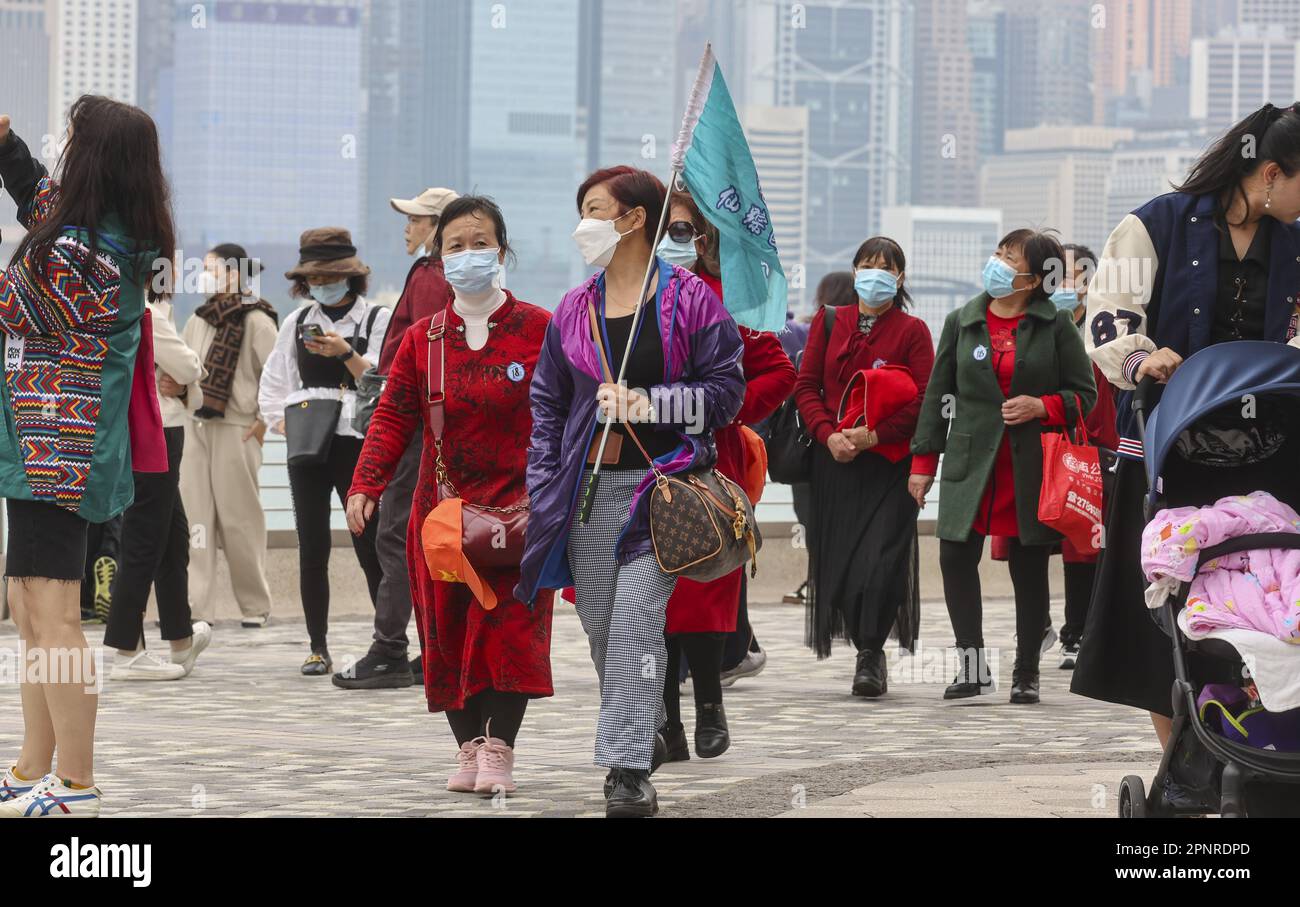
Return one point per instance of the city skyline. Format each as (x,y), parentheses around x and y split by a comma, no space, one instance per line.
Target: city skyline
(280,116)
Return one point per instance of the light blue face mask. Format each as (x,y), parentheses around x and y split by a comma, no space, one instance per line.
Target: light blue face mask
(473,271)
(1066,300)
(331,294)
(875,286)
(999,278)
(682,254)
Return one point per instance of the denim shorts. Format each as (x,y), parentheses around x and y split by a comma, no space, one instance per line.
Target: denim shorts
(44,541)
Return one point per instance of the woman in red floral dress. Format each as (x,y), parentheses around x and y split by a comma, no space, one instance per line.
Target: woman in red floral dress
(480,667)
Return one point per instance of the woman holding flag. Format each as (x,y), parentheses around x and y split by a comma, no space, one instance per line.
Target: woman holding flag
(683,382)
(700,615)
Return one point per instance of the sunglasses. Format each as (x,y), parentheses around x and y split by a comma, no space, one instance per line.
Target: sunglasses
(682,231)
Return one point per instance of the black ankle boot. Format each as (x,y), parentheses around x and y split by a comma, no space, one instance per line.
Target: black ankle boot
(1024,686)
(711,735)
(676,749)
(973,676)
(871,678)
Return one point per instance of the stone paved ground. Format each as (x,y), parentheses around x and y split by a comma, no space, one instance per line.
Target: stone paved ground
(248,736)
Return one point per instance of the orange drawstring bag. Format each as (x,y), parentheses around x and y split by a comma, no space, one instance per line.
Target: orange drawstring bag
(754,474)
(441,537)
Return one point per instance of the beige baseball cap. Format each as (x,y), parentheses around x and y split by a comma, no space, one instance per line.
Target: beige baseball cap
(429,203)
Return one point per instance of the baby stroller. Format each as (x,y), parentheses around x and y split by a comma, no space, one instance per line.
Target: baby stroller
(1208,392)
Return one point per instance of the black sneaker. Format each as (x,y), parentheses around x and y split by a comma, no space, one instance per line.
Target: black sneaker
(632,796)
(376,672)
(1069,655)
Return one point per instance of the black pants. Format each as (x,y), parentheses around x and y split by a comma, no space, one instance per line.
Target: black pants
(311,487)
(703,652)
(155,553)
(959,562)
(1078,592)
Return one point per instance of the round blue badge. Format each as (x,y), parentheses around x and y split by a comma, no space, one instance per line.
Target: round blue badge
(981,353)
(515,372)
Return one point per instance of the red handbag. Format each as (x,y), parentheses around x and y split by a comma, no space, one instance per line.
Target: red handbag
(1070,499)
(458,536)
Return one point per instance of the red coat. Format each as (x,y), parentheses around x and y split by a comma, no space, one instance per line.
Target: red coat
(426,294)
(712,607)
(488,422)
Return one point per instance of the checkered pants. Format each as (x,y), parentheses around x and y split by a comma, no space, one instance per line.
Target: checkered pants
(622,609)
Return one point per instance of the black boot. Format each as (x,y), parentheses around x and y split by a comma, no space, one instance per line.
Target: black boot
(973,677)
(1024,686)
(674,736)
(871,679)
(632,796)
(417,670)
(711,735)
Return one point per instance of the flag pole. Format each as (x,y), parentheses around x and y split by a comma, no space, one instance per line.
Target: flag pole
(589,490)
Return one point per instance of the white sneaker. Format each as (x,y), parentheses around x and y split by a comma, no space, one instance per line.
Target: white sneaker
(255,623)
(12,787)
(753,663)
(144,665)
(52,799)
(201,640)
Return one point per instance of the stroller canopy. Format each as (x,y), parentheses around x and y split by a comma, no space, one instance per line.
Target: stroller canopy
(1214,377)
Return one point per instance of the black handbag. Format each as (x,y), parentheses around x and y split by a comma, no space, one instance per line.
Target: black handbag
(309,428)
(789,447)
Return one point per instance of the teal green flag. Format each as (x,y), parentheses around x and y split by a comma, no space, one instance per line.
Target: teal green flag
(714,159)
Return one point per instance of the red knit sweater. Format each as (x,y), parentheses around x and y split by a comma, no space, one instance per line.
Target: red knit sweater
(897,338)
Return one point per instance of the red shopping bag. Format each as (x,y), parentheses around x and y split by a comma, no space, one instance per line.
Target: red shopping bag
(1070,498)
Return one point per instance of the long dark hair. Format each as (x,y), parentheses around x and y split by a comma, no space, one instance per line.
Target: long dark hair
(1271,133)
(112,165)
(891,253)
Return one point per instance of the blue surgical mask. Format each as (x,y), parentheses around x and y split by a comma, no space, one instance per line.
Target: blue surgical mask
(999,278)
(473,271)
(682,254)
(330,294)
(875,287)
(1066,300)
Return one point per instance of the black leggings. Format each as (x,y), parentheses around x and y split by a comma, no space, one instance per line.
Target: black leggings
(703,653)
(155,553)
(959,562)
(1078,592)
(311,487)
(504,710)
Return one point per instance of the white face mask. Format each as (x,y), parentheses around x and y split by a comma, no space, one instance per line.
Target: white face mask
(597,240)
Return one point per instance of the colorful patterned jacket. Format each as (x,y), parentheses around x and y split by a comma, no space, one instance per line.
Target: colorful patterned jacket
(71,333)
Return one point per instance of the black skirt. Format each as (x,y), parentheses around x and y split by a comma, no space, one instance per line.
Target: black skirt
(1125,657)
(862,553)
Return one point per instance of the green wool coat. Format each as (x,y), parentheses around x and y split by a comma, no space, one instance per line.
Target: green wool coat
(961,415)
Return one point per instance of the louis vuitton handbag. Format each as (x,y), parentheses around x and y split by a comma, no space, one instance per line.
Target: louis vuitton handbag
(702,525)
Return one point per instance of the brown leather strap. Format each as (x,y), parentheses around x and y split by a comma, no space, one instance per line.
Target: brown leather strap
(609,379)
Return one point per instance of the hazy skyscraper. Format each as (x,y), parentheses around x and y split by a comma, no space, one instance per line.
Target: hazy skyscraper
(945,164)
(26,80)
(525,148)
(986,37)
(417,118)
(1049,63)
(266,126)
(1239,71)
(850,63)
(94,52)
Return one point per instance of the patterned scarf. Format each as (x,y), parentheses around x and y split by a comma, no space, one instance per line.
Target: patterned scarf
(226,313)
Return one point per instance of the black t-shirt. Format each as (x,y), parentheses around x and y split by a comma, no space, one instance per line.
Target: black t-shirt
(645,369)
(1242,290)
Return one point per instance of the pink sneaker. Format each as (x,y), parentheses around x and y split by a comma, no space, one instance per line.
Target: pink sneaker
(463,781)
(496,762)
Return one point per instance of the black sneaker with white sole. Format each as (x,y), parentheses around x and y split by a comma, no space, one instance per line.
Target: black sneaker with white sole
(376,672)
(1069,656)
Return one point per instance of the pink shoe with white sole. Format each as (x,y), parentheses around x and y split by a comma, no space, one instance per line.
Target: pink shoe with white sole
(466,776)
(496,763)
